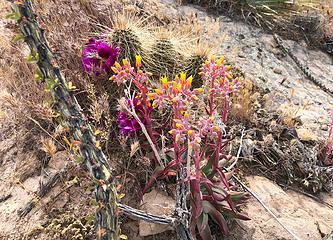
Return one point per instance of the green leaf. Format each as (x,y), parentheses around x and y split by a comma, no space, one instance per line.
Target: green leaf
(17,38)
(78,159)
(38,77)
(90,218)
(220,191)
(121,196)
(93,202)
(14,15)
(216,215)
(51,83)
(33,57)
(203,227)
(70,86)
(203,222)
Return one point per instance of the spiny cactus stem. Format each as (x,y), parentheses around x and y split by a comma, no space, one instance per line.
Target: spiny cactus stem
(66,103)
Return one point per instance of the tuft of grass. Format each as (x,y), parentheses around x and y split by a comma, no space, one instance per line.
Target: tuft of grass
(291,112)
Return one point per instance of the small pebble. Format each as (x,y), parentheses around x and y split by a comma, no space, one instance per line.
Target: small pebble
(241,55)
(277,70)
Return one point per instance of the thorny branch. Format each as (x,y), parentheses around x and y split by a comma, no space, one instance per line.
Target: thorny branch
(135,213)
(66,103)
(303,67)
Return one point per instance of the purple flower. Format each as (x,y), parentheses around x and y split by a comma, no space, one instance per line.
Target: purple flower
(127,123)
(98,56)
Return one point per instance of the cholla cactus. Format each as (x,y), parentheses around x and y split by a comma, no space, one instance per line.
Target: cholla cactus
(329,143)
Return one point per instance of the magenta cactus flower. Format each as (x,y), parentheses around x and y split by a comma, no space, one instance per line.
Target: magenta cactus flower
(128,125)
(98,56)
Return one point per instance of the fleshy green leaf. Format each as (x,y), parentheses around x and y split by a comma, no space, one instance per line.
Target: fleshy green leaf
(197,198)
(203,227)
(216,216)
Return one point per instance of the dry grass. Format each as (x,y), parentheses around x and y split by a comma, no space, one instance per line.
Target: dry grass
(245,102)
(291,112)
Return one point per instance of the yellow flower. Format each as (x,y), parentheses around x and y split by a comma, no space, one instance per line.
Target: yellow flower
(164,81)
(227,67)
(183,76)
(217,128)
(179,86)
(158,91)
(198,90)
(114,69)
(125,61)
(138,61)
(186,114)
(229,76)
(190,132)
(151,96)
(189,81)
(219,62)
(117,65)
(179,125)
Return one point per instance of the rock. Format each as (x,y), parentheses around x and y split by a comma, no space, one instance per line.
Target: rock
(156,203)
(299,213)
(58,160)
(241,55)
(277,70)
(323,228)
